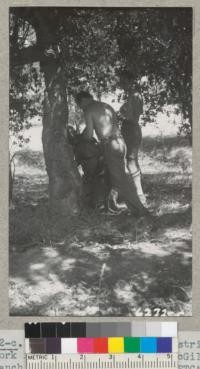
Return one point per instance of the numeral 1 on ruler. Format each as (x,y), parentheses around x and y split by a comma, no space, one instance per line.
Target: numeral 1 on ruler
(87,361)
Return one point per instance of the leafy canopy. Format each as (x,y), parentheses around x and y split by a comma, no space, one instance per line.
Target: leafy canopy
(95,43)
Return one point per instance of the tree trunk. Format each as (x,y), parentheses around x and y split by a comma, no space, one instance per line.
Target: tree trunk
(64,179)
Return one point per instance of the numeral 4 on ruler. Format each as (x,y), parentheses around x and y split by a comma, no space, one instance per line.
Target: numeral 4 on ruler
(123,361)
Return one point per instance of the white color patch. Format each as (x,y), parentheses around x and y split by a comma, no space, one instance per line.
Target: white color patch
(27,346)
(169,329)
(153,329)
(69,345)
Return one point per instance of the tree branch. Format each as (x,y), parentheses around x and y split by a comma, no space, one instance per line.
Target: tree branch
(27,55)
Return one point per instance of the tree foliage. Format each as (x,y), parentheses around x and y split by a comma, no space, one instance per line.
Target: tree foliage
(26,91)
(95,43)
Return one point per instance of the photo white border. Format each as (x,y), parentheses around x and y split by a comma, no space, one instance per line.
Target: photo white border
(7,322)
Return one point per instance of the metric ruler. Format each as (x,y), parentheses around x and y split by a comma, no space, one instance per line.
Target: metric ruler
(104,361)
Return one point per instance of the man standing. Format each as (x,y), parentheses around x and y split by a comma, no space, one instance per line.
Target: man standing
(101,118)
(131,130)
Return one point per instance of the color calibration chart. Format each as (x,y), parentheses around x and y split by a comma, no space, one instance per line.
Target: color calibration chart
(106,345)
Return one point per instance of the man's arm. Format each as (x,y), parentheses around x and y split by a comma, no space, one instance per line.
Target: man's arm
(88,131)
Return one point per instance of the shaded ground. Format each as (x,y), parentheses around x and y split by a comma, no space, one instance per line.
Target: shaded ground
(102,265)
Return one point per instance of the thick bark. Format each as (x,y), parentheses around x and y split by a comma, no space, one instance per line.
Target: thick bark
(64,179)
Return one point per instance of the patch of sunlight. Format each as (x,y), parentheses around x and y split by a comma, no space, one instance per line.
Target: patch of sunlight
(145,277)
(150,248)
(98,250)
(180,246)
(178,233)
(43,274)
(87,311)
(82,298)
(24,296)
(113,99)
(50,252)
(161,168)
(125,296)
(180,178)
(34,134)
(53,277)
(181,154)
(36,299)
(77,300)
(164,127)
(67,264)
(91,310)
(39,277)
(51,286)
(127,292)
(142,282)
(37,266)
(127,246)
(16,281)
(173,207)
(17,299)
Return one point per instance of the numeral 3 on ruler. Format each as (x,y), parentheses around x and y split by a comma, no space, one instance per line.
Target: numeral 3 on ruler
(133,361)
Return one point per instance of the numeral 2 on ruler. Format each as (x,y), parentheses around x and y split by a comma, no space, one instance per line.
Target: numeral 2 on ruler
(133,361)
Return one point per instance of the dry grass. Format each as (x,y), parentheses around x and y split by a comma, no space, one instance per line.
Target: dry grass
(101,265)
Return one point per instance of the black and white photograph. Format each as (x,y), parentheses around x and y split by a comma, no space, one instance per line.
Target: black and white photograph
(100,161)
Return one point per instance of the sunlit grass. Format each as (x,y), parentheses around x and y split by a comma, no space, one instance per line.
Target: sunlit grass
(63,261)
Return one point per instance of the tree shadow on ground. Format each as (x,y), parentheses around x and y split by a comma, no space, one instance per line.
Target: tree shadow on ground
(109,267)
(102,265)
